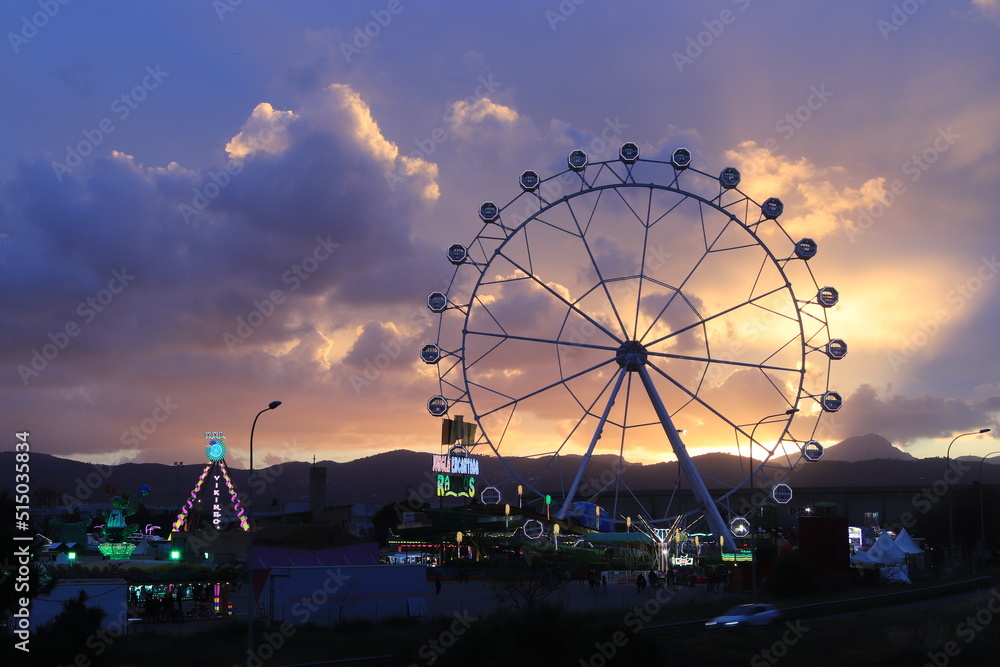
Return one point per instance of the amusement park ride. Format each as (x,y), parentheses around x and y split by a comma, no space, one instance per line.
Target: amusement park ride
(615,307)
(220,486)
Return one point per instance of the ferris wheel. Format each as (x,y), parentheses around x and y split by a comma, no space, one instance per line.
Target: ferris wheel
(624,310)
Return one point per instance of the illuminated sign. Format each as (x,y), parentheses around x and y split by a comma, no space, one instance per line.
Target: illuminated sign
(456,486)
(456,465)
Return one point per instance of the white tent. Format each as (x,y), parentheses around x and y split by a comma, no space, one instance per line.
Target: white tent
(886,552)
(906,543)
(862,559)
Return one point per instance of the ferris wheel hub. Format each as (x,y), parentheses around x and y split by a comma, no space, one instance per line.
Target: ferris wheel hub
(631,355)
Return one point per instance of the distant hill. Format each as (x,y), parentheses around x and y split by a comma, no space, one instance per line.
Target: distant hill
(865,448)
(389,477)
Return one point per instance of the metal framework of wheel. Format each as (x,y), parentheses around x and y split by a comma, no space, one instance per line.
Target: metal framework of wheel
(621,306)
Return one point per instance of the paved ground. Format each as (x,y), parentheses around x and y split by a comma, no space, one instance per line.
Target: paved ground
(477,598)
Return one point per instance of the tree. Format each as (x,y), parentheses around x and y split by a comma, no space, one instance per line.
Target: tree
(524,588)
(69,634)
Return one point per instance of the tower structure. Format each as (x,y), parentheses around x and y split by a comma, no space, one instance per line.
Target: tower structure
(214,493)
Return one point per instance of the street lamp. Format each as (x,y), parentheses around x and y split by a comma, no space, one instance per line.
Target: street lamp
(951,520)
(753,504)
(177,482)
(250,592)
(982,520)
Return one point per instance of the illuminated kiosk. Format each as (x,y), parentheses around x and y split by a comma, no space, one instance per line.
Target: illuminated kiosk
(216,473)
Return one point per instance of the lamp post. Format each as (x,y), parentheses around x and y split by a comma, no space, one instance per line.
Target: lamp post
(177,482)
(753,504)
(982,519)
(951,519)
(250,592)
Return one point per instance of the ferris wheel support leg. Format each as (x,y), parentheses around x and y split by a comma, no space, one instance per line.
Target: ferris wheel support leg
(715,521)
(590,450)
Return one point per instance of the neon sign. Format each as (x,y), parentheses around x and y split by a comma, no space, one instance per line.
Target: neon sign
(456,465)
(456,486)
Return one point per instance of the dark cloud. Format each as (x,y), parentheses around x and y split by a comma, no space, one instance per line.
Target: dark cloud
(905,419)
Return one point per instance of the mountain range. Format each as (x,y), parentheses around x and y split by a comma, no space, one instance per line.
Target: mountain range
(868,460)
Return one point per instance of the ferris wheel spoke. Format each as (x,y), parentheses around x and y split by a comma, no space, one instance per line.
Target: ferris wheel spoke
(588,411)
(593,443)
(642,265)
(637,217)
(683,199)
(673,296)
(721,362)
(596,266)
(514,400)
(545,341)
(695,397)
(562,299)
(717,315)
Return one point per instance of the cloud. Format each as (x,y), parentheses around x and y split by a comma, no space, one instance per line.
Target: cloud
(287,257)
(906,419)
(814,204)
(266,130)
(367,133)
(465,115)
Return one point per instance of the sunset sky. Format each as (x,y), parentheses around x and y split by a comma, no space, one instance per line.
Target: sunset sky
(206,206)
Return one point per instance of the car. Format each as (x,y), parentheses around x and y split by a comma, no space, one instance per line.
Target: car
(746,614)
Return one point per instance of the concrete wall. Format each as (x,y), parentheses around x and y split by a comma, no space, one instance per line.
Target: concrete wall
(325,595)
